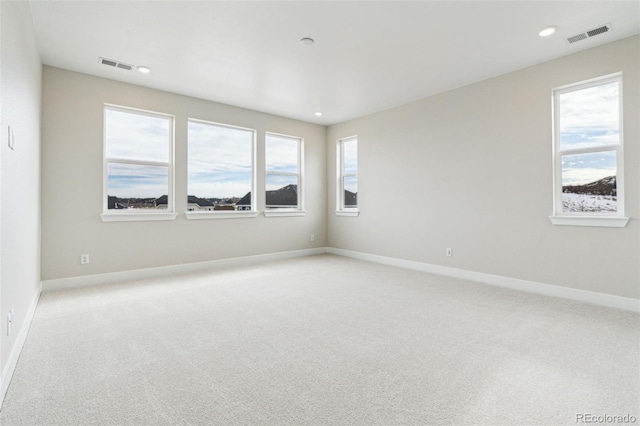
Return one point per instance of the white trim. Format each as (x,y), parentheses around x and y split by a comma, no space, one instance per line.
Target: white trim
(112,277)
(10,367)
(136,217)
(284,213)
(221,214)
(611,221)
(352,213)
(170,164)
(601,299)
(254,143)
(299,175)
(558,153)
(341,175)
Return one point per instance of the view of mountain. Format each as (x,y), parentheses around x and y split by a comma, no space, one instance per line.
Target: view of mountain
(604,186)
(597,196)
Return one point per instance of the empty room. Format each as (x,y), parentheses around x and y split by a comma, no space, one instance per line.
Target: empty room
(319,212)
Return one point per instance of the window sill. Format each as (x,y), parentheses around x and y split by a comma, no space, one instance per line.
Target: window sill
(136,217)
(220,215)
(284,213)
(611,222)
(352,213)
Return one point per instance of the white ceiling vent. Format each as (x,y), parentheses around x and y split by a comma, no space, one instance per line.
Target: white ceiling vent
(116,64)
(588,34)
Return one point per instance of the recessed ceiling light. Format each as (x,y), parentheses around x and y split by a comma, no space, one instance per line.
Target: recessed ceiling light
(318,114)
(143,69)
(547,31)
(307,41)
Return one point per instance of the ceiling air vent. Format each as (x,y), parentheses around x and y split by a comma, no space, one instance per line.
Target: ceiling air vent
(588,34)
(112,63)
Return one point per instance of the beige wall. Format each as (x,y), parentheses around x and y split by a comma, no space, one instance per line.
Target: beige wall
(471,169)
(20,101)
(72,185)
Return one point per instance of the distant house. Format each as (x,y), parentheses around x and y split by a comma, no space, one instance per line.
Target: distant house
(287,196)
(194,203)
(227,207)
(199,204)
(244,203)
(114,204)
(350,199)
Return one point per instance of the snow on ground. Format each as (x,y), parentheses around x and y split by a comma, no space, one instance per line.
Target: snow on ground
(588,203)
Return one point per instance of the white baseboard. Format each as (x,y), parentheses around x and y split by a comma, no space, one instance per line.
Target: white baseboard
(9,368)
(112,277)
(602,299)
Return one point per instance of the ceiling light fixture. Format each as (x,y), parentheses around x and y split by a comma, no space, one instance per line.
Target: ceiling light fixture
(547,31)
(307,41)
(318,114)
(143,69)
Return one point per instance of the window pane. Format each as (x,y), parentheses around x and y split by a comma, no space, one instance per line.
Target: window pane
(134,136)
(589,182)
(351,191)
(590,117)
(220,163)
(350,156)
(137,186)
(281,154)
(282,191)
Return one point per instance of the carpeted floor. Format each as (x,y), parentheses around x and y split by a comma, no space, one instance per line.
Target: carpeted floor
(321,340)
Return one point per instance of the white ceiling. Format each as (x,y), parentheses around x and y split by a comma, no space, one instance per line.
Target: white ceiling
(368,56)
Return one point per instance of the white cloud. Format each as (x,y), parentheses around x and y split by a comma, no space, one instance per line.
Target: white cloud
(219,160)
(135,136)
(590,116)
(281,154)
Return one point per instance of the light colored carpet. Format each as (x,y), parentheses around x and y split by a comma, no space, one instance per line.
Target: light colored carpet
(321,340)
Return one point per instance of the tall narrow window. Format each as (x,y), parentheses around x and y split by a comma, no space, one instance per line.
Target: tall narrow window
(588,153)
(221,168)
(283,180)
(138,163)
(347,167)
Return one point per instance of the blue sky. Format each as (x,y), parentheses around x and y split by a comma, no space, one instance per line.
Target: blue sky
(588,118)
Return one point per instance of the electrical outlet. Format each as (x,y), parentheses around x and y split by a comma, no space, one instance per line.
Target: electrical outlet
(313,237)
(449,252)
(84,259)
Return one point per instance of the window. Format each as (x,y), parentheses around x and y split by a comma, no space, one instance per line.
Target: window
(588,178)
(138,165)
(221,168)
(283,180)
(347,188)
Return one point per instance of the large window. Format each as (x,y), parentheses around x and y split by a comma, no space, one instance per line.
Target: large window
(283,180)
(347,188)
(138,164)
(221,167)
(588,153)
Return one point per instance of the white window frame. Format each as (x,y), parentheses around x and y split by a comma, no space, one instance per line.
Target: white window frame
(606,219)
(136,215)
(341,209)
(286,211)
(225,214)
